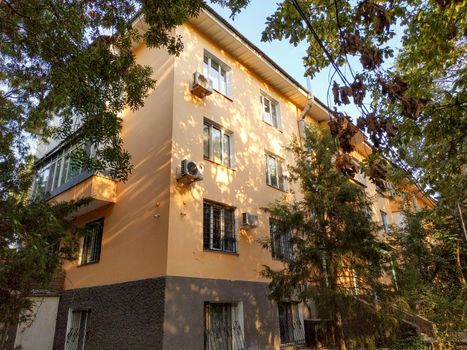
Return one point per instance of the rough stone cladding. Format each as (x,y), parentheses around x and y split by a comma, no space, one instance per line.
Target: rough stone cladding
(166,313)
(123,316)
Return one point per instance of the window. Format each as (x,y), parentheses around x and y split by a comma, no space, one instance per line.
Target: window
(60,169)
(270,110)
(384,221)
(281,247)
(223,326)
(217,144)
(290,324)
(218,72)
(275,172)
(359,175)
(91,251)
(219,227)
(77,329)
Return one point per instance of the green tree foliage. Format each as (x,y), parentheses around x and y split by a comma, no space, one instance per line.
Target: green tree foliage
(431,267)
(65,59)
(409,85)
(338,261)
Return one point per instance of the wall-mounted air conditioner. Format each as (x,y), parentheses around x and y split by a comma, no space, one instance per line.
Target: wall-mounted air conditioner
(249,220)
(201,86)
(189,171)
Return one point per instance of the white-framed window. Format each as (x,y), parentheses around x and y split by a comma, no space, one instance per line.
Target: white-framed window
(291,323)
(384,221)
(219,227)
(281,246)
(77,327)
(217,144)
(219,73)
(270,110)
(92,242)
(276,172)
(359,175)
(60,169)
(223,326)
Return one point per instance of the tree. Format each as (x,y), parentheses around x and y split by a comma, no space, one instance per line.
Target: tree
(337,258)
(431,273)
(67,59)
(414,102)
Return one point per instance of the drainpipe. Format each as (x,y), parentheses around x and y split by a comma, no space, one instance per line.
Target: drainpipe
(311,99)
(301,120)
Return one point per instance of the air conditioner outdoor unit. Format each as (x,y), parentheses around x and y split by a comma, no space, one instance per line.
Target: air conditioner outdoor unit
(189,171)
(201,86)
(249,220)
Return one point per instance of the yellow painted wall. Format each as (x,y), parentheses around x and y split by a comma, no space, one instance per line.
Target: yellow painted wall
(134,243)
(155,226)
(244,187)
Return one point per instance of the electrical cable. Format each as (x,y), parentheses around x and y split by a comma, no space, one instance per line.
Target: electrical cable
(395,157)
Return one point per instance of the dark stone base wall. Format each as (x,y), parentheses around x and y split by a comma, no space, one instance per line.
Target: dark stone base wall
(123,316)
(184,311)
(166,313)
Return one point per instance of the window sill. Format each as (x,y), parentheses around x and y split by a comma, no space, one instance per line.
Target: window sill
(272,126)
(88,263)
(359,183)
(220,252)
(230,98)
(277,188)
(220,164)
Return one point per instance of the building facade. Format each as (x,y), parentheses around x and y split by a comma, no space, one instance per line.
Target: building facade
(176,264)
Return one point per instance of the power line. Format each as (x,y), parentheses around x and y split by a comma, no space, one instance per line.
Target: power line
(400,163)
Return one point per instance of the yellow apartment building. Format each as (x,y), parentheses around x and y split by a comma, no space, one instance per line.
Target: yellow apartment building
(173,262)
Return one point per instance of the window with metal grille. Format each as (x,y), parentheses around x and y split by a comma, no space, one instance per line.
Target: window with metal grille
(270,110)
(76,329)
(91,250)
(217,144)
(219,227)
(281,247)
(290,324)
(223,326)
(275,172)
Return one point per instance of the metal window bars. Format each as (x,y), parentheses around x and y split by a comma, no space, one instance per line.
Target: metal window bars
(219,228)
(290,325)
(223,330)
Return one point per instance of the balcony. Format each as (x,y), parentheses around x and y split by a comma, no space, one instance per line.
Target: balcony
(101,189)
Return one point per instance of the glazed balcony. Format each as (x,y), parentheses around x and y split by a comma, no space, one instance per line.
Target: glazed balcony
(60,177)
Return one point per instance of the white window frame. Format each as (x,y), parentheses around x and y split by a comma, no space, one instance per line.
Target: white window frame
(272,117)
(384,221)
(59,169)
(229,162)
(218,84)
(359,175)
(281,172)
(236,308)
(296,310)
(78,320)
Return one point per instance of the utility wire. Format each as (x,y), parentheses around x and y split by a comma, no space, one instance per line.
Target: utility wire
(362,108)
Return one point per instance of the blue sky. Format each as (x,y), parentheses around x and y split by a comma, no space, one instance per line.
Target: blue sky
(251,22)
